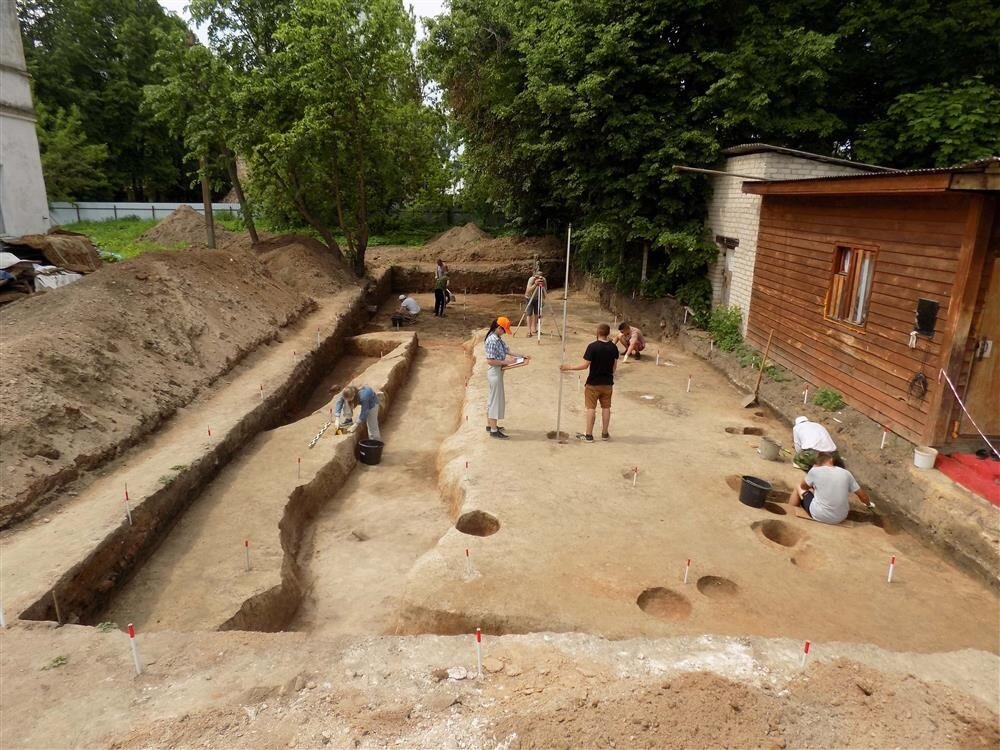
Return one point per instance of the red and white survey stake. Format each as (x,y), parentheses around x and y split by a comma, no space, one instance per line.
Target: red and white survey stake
(805,395)
(3,618)
(689,383)
(885,431)
(657,357)
(805,654)
(128,510)
(210,431)
(299,470)
(468,563)
(687,569)
(135,650)
(479,652)
(892,567)
(262,393)
(635,475)
(246,546)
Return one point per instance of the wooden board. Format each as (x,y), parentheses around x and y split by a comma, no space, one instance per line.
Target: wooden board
(917,240)
(982,395)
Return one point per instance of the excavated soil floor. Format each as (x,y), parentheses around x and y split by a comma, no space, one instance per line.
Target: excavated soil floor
(562,537)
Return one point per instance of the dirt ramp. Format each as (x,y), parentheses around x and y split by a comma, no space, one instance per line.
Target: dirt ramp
(92,368)
(305,264)
(457,238)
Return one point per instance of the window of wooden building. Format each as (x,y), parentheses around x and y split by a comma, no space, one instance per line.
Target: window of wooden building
(851,285)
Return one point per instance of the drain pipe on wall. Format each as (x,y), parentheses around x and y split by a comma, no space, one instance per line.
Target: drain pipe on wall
(562,356)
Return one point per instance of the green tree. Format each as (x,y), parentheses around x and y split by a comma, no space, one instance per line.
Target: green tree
(194,100)
(72,166)
(97,55)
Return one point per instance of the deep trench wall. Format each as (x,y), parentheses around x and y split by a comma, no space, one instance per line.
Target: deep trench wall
(84,590)
(273,609)
(495,280)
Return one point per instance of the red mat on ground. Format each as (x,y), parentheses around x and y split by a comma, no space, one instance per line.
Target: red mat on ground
(976,474)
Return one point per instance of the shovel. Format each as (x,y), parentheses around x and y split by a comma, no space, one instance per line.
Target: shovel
(751,400)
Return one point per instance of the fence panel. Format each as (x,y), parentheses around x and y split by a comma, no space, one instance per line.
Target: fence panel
(68,213)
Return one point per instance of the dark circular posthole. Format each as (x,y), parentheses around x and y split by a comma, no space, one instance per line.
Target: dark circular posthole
(774,508)
(717,587)
(478,523)
(664,604)
(551,435)
(779,532)
(745,430)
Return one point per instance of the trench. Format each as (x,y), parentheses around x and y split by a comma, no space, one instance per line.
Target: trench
(84,592)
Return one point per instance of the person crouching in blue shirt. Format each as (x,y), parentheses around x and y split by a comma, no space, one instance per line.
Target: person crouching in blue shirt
(364,396)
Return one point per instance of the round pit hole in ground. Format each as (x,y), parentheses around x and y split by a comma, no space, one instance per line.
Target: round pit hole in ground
(774,508)
(478,523)
(717,587)
(779,532)
(664,604)
(744,430)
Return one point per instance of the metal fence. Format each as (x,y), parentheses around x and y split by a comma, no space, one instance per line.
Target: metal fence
(68,213)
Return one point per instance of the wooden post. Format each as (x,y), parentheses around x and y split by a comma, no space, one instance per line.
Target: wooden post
(645,265)
(961,308)
(206,199)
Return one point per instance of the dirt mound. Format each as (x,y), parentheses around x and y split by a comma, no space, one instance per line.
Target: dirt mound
(304,264)
(186,226)
(456,238)
(91,368)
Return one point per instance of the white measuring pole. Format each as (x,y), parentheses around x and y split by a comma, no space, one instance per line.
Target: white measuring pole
(562,355)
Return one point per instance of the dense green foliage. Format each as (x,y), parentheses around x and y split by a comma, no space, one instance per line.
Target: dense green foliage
(330,112)
(574,111)
(73,168)
(96,55)
(726,326)
(829,399)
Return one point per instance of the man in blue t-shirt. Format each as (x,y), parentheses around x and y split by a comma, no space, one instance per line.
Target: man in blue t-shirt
(601,357)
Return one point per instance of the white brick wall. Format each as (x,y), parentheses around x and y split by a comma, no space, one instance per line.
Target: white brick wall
(733,213)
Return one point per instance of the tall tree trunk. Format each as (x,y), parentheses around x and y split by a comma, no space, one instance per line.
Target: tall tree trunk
(244,204)
(206,199)
(645,265)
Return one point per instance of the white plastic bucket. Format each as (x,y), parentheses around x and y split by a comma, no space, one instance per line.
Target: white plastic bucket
(924,457)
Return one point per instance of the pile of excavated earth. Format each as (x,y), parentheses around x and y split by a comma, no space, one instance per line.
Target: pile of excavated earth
(169,460)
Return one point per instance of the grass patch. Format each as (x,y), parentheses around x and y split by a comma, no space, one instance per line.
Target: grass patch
(107,626)
(121,236)
(828,399)
(56,662)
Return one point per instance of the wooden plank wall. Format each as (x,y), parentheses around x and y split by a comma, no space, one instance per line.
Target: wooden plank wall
(918,239)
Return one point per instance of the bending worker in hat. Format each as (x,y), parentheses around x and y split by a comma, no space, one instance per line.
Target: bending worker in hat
(810,439)
(498,359)
(368,399)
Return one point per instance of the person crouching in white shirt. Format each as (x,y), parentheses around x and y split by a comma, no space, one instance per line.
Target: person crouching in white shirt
(810,439)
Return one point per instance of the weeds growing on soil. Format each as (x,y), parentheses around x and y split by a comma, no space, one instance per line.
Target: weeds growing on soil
(120,236)
(725,324)
(56,662)
(828,399)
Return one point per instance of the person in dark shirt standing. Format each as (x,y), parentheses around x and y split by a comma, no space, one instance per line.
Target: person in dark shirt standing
(601,357)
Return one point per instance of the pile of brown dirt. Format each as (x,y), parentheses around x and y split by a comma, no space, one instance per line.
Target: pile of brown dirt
(187,227)
(93,367)
(304,264)
(456,238)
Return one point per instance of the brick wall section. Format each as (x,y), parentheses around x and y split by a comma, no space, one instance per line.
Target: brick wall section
(733,213)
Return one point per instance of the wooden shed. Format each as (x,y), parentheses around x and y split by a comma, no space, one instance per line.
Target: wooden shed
(875,283)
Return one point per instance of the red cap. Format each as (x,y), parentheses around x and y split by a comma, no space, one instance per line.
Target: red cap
(689,561)
(806,648)
(892,560)
(479,635)
(131,631)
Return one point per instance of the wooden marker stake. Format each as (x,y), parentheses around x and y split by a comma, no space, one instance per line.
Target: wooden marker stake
(689,384)
(135,650)
(687,568)
(805,395)
(805,654)
(892,567)
(298,474)
(635,475)
(246,546)
(885,431)
(468,563)
(479,652)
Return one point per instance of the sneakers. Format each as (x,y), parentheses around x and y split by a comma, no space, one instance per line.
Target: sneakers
(584,438)
(499,434)
(499,429)
(605,436)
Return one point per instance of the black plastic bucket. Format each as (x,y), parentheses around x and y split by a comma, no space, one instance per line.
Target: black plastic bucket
(370,451)
(753,491)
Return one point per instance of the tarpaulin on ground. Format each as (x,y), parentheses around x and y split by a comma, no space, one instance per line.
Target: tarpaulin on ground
(73,252)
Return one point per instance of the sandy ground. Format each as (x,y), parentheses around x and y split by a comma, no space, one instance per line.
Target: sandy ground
(581,549)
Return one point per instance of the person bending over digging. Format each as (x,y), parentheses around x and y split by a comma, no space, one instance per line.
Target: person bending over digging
(498,359)
(601,357)
(810,439)
(631,338)
(826,490)
(351,397)
(408,311)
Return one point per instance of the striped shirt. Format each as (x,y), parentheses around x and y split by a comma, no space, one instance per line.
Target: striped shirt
(495,347)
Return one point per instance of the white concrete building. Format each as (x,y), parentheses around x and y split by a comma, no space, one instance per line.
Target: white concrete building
(24,207)
(734,216)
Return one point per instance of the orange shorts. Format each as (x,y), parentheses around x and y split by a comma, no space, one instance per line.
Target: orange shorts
(594,394)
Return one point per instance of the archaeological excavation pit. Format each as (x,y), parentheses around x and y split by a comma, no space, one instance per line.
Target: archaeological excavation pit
(478,523)
(717,587)
(664,604)
(780,532)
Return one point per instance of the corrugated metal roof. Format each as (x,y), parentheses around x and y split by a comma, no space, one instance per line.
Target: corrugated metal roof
(757,148)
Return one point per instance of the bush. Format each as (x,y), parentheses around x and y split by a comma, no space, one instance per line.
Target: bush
(828,399)
(725,324)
